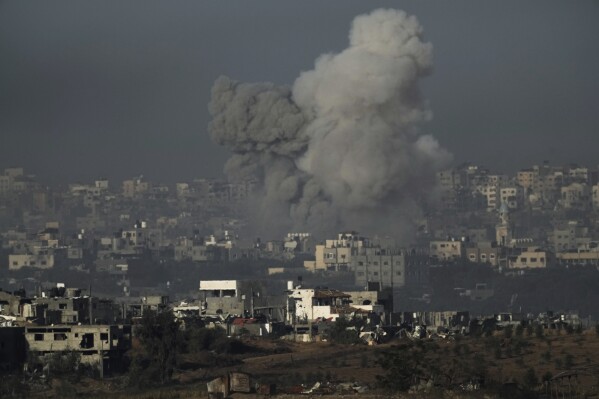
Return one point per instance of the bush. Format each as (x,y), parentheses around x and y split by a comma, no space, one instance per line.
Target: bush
(530,380)
(546,356)
(13,386)
(519,330)
(568,361)
(539,333)
(341,332)
(508,331)
(159,336)
(201,339)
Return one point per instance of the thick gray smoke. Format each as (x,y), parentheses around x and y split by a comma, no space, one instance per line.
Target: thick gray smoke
(341,148)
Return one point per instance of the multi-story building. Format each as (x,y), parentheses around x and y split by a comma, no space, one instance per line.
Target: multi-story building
(576,196)
(378,265)
(336,254)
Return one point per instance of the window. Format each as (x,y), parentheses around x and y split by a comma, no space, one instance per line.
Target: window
(542,259)
(523,260)
(104,336)
(360,274)
(375,273)
(360,263)
(385,263)
(375,263)
(398,273)
(38,337)
(533,259)
(60,337)
(62,306)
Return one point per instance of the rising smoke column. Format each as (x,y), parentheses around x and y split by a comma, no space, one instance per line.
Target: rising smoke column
(341,149)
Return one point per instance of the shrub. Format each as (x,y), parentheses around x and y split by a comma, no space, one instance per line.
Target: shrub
(519,330)
(530,380)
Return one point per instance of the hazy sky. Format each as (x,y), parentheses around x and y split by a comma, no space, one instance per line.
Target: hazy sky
(120,88)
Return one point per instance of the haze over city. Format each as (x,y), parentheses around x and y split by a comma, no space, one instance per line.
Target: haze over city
(116,89)
(379,199)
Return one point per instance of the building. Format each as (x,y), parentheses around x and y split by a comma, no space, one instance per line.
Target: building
(484,252)
(307,305)
(223,297)
(336,254)
(38,261)
(503,231)
(530,258)
(100,346)
(379,265)
(447,251)
(576,196)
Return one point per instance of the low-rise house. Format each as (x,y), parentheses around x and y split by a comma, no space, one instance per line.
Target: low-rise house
(529,258)
(449,250)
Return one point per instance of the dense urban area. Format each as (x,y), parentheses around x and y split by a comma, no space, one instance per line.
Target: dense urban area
(140,284)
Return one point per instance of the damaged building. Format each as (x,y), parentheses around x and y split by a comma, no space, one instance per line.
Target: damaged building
(100,346)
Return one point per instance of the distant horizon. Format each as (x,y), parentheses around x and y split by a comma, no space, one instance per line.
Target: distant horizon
(88,178)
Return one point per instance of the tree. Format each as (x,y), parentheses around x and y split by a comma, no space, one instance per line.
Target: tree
(530,380)
(403,366)
(344,331)
(519,330)
(507,331)
(158,334)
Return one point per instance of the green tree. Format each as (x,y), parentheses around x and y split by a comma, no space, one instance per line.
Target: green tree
(158,333)
(403,366)
(344,331)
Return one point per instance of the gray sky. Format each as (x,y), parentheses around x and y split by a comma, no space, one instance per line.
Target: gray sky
(120,88)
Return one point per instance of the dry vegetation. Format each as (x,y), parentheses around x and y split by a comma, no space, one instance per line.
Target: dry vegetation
(506,359)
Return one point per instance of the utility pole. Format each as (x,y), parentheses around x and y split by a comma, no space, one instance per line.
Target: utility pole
(91,305)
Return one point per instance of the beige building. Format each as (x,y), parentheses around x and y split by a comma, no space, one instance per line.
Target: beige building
(576,196)
(484,252)
(512,196)
(531,258)
(447,250)
(336,254)
(38,261)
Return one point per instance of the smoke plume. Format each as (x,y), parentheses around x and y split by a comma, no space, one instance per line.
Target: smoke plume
(341,148)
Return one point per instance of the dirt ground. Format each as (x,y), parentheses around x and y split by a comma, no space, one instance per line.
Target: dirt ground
(289,364)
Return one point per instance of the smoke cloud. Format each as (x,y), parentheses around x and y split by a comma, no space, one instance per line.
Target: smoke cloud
(341,148)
